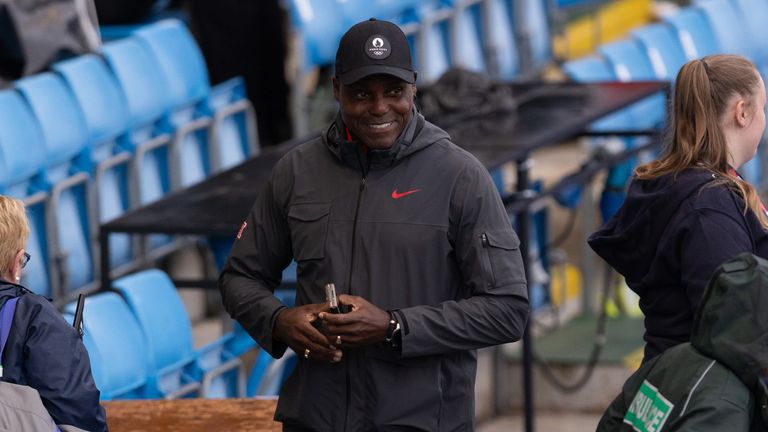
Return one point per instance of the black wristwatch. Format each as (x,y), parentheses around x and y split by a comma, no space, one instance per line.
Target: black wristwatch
(393,336)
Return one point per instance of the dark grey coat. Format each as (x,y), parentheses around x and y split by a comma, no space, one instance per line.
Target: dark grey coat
(443,256)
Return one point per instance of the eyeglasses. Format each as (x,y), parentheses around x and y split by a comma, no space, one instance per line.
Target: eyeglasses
(25,260)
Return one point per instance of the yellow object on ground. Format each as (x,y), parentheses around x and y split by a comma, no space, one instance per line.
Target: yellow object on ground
(565,284)
(632,361)
(610,22)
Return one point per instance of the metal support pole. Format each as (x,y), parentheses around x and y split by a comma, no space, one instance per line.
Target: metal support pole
(522,187)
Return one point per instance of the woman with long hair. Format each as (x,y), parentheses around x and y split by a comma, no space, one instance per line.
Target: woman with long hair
(689,211)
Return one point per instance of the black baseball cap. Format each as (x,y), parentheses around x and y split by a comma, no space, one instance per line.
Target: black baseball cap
(374,47)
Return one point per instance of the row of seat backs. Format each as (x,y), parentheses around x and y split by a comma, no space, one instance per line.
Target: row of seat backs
(658,51)
(58,124)
(139,341)
(508,39)
(146,81)
(469,33)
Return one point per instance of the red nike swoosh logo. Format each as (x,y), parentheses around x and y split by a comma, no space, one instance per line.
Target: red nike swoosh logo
(397,195)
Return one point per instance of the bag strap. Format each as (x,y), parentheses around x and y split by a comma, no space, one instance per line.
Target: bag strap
(6,318)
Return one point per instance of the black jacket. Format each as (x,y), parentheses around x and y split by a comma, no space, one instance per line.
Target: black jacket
(711,383)
(668,238)
(418,228)
(45,353)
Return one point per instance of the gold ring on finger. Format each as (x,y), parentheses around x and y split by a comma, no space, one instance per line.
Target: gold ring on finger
(306,353)
(338,340)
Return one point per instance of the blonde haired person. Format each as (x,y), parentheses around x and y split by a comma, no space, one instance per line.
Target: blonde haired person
(42,351)
(689,211)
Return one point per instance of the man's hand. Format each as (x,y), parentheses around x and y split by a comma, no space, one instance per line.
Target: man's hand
(294,328)
(365,324)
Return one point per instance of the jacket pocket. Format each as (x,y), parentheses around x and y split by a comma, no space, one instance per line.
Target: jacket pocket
(501,250)
(414,383)
(309,227)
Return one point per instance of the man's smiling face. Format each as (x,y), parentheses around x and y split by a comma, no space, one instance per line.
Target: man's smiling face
(376,108)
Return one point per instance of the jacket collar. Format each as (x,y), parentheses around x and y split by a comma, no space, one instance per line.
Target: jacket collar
(10,290)
(355,155)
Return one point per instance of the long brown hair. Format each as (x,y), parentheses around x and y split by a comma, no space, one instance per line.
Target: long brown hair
(695,139)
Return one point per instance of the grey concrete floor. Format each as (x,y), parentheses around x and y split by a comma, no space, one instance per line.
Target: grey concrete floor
(544,422)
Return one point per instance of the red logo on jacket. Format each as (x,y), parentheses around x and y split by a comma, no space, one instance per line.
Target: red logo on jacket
(398,195)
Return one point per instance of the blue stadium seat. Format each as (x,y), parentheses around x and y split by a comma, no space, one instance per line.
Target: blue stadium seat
(269,374)
(728,25)
(116,347)
(106,117)
(695,33)
(631,63)
(596,69)
(68,222)
(629,60)
(467,48)
(166,329)
(62,122)
(156,304)
(532,23)
(21,175)
(432,48)
(183,70)
(180,61)
(663,49)
(505,61)
(234,128)
(148,100)
(320,29)
(103,105)
(755,13)
(589,69)
(317,26)
(201,126)
(22,171)
(355,11)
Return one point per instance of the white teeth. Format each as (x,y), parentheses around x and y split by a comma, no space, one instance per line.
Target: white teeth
(380,126)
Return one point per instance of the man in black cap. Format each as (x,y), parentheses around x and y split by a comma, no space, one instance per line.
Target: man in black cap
(413,234)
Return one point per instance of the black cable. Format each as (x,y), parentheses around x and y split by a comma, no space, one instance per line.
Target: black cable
(597,348)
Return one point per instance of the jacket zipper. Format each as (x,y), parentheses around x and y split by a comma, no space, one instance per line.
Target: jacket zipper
(349,280)
(354,234)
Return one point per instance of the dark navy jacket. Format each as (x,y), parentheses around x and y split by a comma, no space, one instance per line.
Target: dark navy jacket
(668,238)
(45,353)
